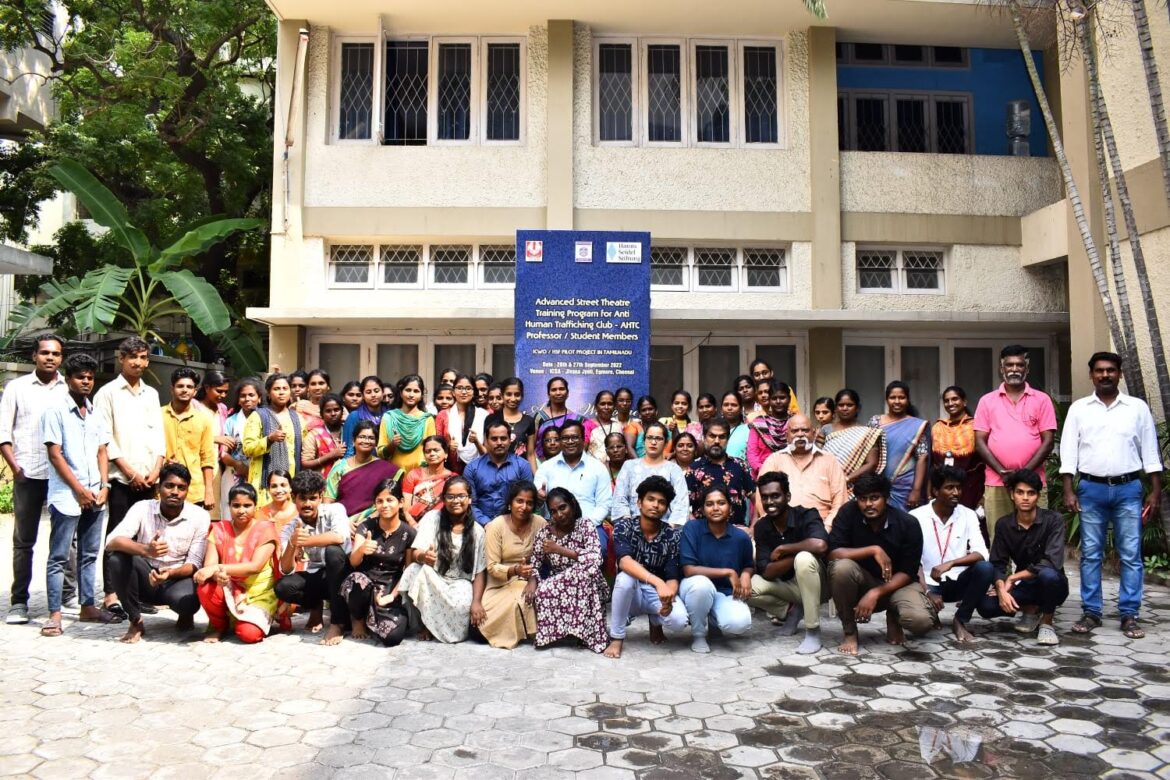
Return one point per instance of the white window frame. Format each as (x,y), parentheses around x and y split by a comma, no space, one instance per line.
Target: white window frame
(635,90)
(330,266)
(785,276)
(688,264)
(420,279)
(369,341)
(734,101)
(643,121)
(480,269)
(781,141)
(735,267)
(900,287)
(334,112)
(430,267)
(474,98)
(483,58)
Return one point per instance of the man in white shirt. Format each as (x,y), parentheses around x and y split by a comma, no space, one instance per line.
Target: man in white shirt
(582,475)
(22,406)
(129,411)
(955,565)
(1108,440)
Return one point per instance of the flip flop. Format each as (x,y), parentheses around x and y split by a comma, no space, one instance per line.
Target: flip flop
(1131,629)
(1086,624)
(51,628)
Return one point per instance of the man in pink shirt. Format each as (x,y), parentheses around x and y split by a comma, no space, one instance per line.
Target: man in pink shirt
(1014,429)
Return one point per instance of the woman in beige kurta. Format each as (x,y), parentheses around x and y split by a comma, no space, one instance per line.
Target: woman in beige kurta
(509,545)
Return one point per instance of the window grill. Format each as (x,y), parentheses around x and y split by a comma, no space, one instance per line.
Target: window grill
(449,264)
(454,91)
(712,94)
(911,118)
(875,269)
(406,93)
(761,122)
(764,267)
(615,92)
(716,267)
(355,102)
(400,264)
(951,126)
(503,92)
(351,263)
(872,124)
(923,269)
(499,264)
(664,93)
(668,266)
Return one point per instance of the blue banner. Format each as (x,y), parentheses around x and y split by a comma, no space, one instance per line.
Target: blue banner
(582,312)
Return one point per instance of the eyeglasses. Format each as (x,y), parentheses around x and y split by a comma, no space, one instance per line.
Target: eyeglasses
(365,438)
(570,438)
(464,389)
(456,497)
(654,438)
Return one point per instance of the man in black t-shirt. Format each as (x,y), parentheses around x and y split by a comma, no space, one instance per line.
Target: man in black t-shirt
(790,580)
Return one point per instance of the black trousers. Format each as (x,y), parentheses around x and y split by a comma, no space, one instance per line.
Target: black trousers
(28,501)
(311,588)
(130,575)
(121,498)
(390,622)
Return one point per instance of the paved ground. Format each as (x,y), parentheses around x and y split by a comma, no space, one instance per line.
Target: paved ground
(83,705)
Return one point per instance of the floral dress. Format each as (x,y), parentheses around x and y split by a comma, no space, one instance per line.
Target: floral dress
(568,597)
(378,573)
(444,600)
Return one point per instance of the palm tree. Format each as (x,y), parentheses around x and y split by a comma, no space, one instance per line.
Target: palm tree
(1131,228)
(816,8)
(1154,85)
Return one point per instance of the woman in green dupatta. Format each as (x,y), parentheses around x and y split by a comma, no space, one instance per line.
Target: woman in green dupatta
(404,427)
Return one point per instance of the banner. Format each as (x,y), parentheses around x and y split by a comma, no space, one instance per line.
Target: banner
(582,313)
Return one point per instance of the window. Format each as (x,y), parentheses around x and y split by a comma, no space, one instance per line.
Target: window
(453,88)
(697,92)
(400,265)
(396,360)
(948,57)
(764,269)
(615,92)
(900,270)
(406,93)
(911,56)
(668,266)
(502,96)
(48,22)
(355,107)
(497,265)
(666,372)
(917,122)
(715,267)
(350,265)
(870,53)
(449,266)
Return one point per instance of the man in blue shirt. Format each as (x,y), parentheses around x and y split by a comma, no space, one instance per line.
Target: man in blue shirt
(491,474)
(580,474)
(717,564)
(78,487)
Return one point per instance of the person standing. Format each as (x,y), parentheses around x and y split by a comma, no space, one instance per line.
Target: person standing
(22,407)
(952,443)
(129,410)
(1108,440)
(1015,426)
(716,467)
(190,437)
(490,475)
(78,488)
(768,433)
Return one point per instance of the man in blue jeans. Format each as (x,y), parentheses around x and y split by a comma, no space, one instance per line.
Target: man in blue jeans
(717,564)
(78,487)
(1031,541)
(1108,440)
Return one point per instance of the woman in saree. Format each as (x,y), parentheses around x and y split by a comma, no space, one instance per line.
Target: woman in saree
(509,544)
(732,409)
(768,433)
(859,448)
(352,480)
(907,447)
(406,424)
(422,488)
(446,580)
(952,443)
(461,425)
(272,437)
(322,445)
(555,413)
(370,409)
(381,547)
(240,569)
(232,460)
(566,583)
(281,510)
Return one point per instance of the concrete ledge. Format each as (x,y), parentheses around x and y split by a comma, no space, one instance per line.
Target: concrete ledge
(21,261)
(736,226)
(1045,235)
(419,224)
(864,227)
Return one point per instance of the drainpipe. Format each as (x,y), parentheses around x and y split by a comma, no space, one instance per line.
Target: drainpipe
(298,68)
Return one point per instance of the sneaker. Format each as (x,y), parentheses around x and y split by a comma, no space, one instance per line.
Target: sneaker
(699,645)
(1047,636)
(17,615)
(1026,623)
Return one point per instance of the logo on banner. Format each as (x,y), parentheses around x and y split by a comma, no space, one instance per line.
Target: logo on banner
(623,252)
(583,252)
(533,251)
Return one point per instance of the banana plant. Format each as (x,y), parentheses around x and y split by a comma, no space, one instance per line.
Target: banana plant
(136,297)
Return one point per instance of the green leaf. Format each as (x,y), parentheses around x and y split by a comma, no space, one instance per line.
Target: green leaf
(199,239)
(198,298)
(101,290)
(101,204)
(816,8)
(59,297)
(243,350)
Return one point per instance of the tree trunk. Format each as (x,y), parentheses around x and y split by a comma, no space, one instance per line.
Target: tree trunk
(1157,106)
(1070,184)
(1132,369)
(1131,228)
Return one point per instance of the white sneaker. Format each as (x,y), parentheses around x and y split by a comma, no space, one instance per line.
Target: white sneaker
(17,615)
(1026,623)
(1047,636)
(699,645)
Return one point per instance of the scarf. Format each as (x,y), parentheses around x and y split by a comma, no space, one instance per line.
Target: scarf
(774,432)
(409,427)
(276,459)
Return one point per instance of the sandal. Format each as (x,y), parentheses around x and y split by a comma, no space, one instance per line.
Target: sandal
(51,628)
(1131,629)
(1086,624)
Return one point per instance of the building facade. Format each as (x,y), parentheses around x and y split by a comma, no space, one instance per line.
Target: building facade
(838,197)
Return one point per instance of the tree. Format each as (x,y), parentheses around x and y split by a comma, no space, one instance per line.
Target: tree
(170,103)
(154,285)
(1154,87)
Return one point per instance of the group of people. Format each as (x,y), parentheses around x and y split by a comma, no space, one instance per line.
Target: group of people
(466,514)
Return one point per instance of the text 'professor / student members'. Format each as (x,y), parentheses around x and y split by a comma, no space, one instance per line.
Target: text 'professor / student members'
(543,336)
